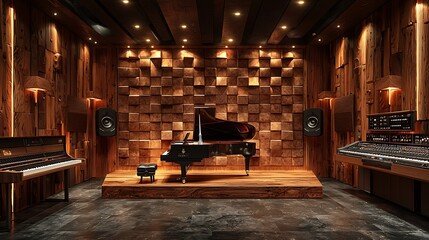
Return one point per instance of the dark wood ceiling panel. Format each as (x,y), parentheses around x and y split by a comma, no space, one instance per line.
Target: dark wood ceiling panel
(322,11)
(233,26)
(347,19)
(96,17)
(209,22)
(127,16)
(268,16)
(157,22)
(66,17)
(292,17)
(210,15)
(181,12)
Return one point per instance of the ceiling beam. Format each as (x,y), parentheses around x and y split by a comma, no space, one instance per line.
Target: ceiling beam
(157,22)
(267,18)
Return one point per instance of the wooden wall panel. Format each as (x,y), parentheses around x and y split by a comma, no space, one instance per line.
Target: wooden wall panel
(44,48)
(382,47)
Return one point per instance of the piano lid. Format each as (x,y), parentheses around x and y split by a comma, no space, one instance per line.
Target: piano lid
(214,129)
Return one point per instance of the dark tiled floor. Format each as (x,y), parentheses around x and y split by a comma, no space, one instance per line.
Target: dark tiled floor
(343,213)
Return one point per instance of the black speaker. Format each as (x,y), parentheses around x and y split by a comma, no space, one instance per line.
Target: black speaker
(106,122)
(313,122)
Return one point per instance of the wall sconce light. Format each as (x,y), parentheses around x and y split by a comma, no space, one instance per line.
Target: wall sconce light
(325,95)
(391,83)
(36,84)
(91,95)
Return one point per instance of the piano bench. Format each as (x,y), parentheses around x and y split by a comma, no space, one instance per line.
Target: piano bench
(147,170)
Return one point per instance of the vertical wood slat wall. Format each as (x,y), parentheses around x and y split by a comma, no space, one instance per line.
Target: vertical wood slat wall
(384,44)
(159,88)
(49,50)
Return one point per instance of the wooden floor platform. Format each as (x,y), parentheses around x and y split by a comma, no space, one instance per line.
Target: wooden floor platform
(214,184)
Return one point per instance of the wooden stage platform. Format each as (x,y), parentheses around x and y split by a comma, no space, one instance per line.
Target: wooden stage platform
(214,184)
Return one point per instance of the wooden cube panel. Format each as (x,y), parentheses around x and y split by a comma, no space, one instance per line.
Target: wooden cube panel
(158,89)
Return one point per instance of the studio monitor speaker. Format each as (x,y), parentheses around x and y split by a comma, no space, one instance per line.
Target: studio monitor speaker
(313,122)
(106,122)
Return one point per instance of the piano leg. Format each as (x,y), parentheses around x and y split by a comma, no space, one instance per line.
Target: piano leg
(247,159)
(10,215)
(183,170)
(66,184)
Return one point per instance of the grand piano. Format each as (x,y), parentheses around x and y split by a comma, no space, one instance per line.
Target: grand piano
(212,137)
(23,158)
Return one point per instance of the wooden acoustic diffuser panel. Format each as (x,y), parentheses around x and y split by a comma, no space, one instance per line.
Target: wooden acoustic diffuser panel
(159,88)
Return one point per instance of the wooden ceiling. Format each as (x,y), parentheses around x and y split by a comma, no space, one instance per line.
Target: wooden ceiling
(209,22)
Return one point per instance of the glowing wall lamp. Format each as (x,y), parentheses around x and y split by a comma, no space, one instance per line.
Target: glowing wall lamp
(324,95)
(390,83)
(36,84)
(91,95)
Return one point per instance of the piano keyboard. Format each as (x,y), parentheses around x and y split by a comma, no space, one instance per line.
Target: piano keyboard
(52,166)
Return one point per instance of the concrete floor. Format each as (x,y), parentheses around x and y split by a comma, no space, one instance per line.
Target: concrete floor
(343,213)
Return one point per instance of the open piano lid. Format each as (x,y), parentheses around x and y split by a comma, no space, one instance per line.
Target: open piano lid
(214,129)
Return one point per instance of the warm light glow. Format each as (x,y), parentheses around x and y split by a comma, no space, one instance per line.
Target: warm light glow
(184,26)
(89,38)
(128,46)
(419,35)
(125,1)
(95,42)
(185,40)
(55,14)
(300,2)
(338,26)
(260,46)
(152,46)
(137,26)
(230,40)
(226,46)
(148,40)
(284,27)
(183,46)
(237,13)
(293,46)
(319,39)
(12,104)
(391,90)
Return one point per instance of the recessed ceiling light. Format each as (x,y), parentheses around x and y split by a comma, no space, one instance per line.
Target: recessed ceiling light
(185,40)
(313,34)
(95,42)
(319,39)
(137,26)
(128,46)
(125,1)
(237,13)
(293,46)
(183,46)
(338,26)
(226,46)
(55,14)
(230,40)
(152,46)
(284,27)
(148,40)
(89,38)
(260,46)
(184,26)
(300,2)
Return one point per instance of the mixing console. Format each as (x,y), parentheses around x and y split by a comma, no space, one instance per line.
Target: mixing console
(412,155)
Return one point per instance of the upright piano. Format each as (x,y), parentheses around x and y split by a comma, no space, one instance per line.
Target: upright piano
(23,158)
(212,137)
